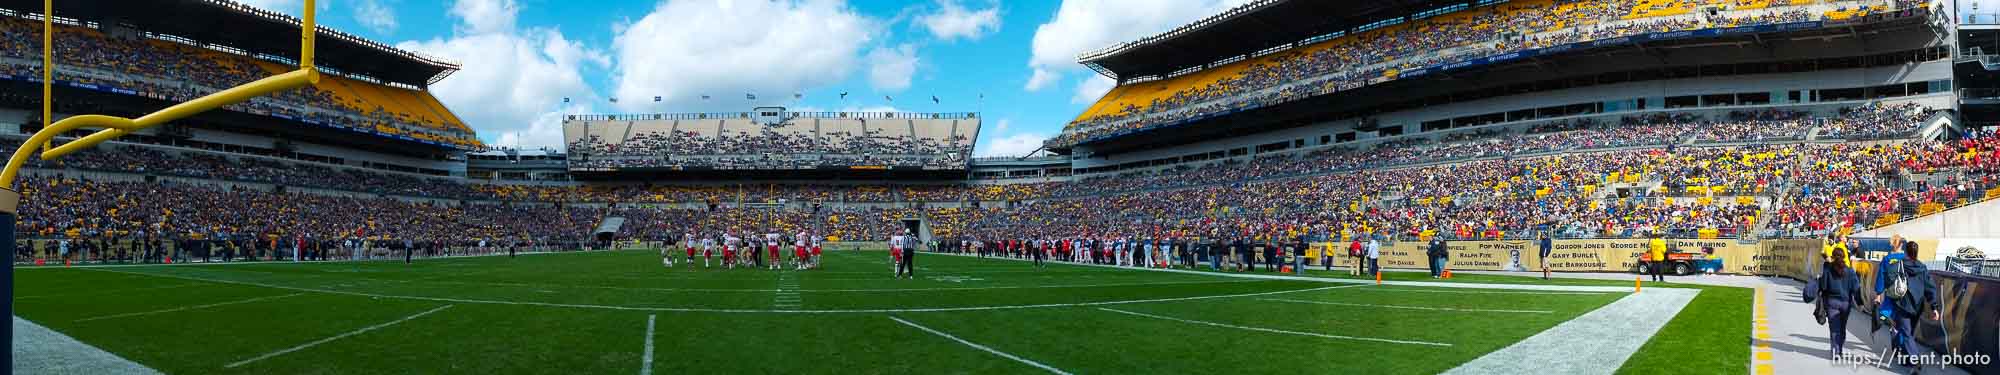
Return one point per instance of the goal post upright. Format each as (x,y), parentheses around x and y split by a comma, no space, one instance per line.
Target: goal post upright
(114,127)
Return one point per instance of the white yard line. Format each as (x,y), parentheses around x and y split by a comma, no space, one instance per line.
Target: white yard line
(335,337)
(1279,331)
(787,296)
(1405,307)
(685,309)
(974,345)
(1598,342)
(186,308)
(646,365)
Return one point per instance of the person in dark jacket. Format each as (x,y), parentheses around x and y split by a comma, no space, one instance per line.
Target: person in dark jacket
(1840,290)
(1436,253)
(1921,296)
(1299,246)
(1274,256)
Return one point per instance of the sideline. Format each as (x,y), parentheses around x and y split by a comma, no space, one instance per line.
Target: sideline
(1553,288)
(689,309)
(40,350)
(1598,342)
(1270,330)
(186,308)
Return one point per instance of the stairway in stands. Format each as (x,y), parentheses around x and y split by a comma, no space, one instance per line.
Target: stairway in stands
(611,224)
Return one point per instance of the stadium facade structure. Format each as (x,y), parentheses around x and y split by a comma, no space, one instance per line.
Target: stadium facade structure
(766,140)
(1904,55)
(372,110)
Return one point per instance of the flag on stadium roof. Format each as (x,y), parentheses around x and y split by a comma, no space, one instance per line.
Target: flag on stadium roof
(704,97)
(614,100)
(843,95)
(798,95)
(934,99)
(656,98)
(886,97)
(750,96)
(565,99)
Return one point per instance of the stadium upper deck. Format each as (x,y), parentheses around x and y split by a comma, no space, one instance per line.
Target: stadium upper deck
(1455,36)
(172,53)
(774,140)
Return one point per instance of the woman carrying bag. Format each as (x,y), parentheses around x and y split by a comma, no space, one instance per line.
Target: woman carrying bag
(1835,292)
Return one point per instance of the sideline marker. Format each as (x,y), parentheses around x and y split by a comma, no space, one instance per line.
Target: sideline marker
(1635,283)
(38,261)
(1378,278)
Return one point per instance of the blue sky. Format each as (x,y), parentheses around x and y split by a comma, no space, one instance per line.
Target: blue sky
(521,57)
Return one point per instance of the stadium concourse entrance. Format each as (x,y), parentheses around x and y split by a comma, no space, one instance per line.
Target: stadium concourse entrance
(607,231)
(916,227)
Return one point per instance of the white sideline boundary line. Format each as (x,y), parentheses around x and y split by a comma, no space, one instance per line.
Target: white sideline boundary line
(646,365)
(1405,307)
(981,347)
(335,337)
(186,308)
(104,292)
(1279,331)
(40,350)
(1399,290)
(782,290)
(1534,287)
(687,309)
(1597,342)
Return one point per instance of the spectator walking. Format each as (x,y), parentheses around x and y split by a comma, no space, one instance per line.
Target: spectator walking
(1839,291)
(1906,283)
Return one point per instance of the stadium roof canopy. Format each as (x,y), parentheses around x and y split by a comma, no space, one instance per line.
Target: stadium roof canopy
(1253,27)
(253,31)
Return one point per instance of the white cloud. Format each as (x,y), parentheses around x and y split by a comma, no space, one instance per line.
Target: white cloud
(375,16)
(1083,25)
(1092,88)
(485,16)
(1000,127)
(953,21)
(514,79)
(890,70)
(1012,145)
(687,48)
(1041,79)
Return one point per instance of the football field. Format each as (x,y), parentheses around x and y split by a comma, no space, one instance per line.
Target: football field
(622,312)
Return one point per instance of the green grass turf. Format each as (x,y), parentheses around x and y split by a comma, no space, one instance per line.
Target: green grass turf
(587,312)
(1710,335)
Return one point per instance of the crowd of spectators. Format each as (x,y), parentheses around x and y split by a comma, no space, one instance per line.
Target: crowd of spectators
(144,160)
(1475,184)
(178,72)
(770,147)
(1355,60)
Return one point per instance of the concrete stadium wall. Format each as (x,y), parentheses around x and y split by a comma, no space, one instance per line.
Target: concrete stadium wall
(1977,225)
